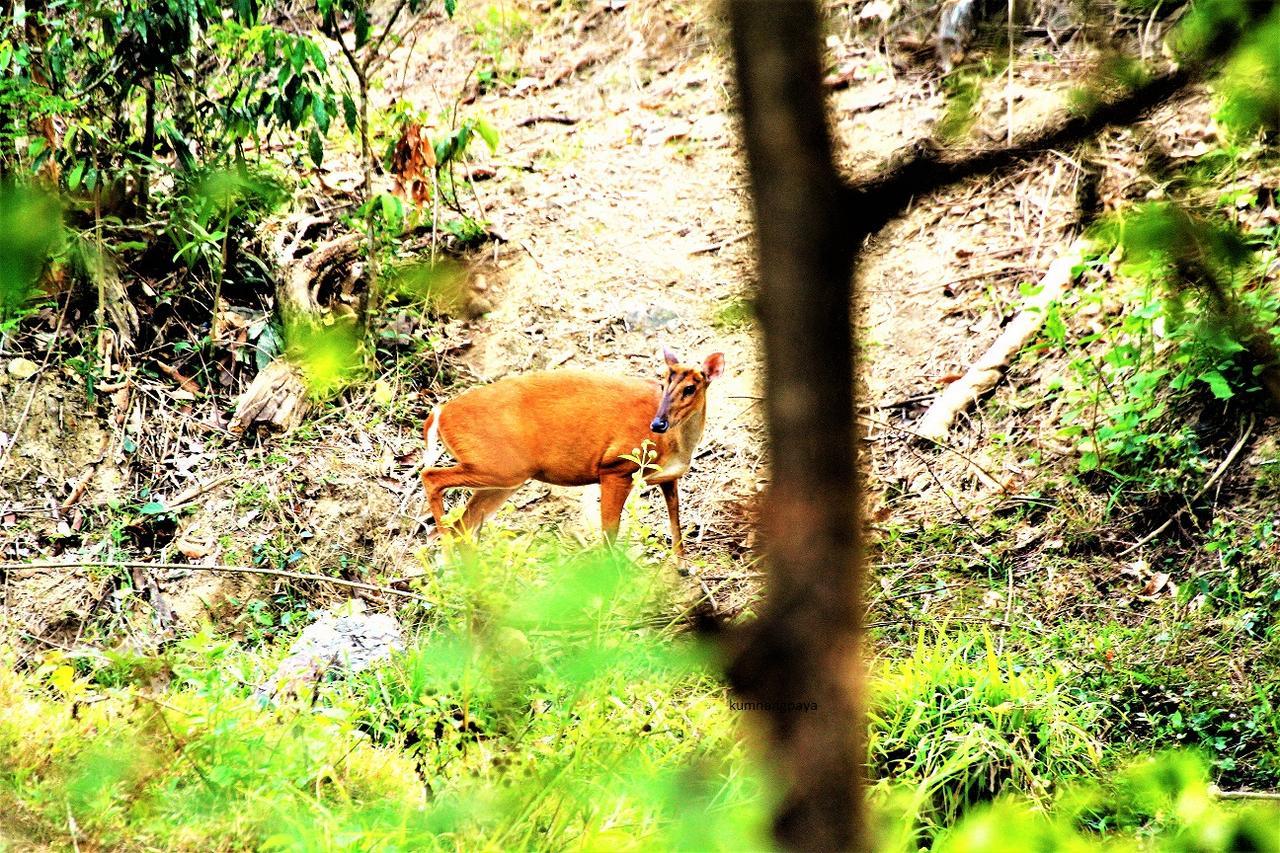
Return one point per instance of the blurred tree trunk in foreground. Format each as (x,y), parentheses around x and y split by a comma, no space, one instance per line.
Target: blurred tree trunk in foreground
(803,647)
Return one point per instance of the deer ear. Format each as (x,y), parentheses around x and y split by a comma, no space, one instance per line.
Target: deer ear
(713,367)
(669,357)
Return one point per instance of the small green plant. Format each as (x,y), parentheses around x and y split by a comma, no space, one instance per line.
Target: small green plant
(1197,331)
(734,314)
(496,29)
(645,458)
(958,723)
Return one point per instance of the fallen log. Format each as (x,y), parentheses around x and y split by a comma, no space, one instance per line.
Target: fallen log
(982,376)
(319,288)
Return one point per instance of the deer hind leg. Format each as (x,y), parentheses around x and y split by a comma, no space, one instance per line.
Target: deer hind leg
(483,504)
(436,480)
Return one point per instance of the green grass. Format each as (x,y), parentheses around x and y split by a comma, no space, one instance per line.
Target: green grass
(542,703)
(958,723)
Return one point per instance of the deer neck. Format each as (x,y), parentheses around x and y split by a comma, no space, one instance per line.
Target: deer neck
(676,451)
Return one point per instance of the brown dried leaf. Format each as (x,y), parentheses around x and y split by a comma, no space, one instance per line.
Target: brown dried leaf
(186,383)
(412,162)
(1158,581)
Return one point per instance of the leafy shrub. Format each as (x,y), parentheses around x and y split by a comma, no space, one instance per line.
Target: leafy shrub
(958,723)
(1166,798)
(542,706)
(1196,330)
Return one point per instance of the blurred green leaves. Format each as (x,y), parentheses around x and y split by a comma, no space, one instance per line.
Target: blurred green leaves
(30,230)
(1162,235)
(329,356)
(439,285)
(1250,85)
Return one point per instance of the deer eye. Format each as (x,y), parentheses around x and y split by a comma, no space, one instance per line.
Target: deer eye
(688,391)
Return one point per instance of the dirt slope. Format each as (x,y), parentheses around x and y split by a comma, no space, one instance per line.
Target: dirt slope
(619,194)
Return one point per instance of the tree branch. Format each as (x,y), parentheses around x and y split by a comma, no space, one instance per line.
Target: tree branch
(874,201)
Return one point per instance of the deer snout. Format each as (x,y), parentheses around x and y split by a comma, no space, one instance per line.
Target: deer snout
(659,424)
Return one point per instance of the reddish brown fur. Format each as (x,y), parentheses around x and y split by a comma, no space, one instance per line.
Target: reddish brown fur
(568,428)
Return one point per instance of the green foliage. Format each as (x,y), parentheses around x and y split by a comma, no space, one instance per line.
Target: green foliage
(1166,798)
(330,356)
(30,229)
(496,28)
(1114,74)
(439,286)
(1194,700)
(209,203)
(136,61)
(540,706)
(964,91)
(1250,85)
(1195,308)
(734,314)
(957,723)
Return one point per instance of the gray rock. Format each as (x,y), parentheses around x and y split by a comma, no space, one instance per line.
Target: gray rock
(646,317)
(334,643)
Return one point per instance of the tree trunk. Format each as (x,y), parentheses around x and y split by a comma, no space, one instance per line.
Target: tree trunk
(326,281)
(803,648)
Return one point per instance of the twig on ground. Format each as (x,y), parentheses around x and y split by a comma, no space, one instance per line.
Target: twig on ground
(197,490)
(941,445)
(1208,484)
(715,247)
(983,620)
(46,565)
(1244,795)
(548,119)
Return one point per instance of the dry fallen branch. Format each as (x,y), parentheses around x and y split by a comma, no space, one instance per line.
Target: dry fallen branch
(1208,484)
(983,375)
(53,565)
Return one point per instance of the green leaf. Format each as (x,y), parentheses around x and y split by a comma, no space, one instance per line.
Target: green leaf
(153,508)
(488,133)
(450,6)
(1218,384)
(392,209)
(74,176)
(361,26)
(320,111)
(349,113)
(315,147)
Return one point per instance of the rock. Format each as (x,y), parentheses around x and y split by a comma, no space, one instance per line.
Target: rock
(646,317)
(343,642)
(22,368)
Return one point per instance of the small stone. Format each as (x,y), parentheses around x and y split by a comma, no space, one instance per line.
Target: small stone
(23,368)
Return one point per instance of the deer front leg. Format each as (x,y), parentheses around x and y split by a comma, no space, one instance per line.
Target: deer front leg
(671,492)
